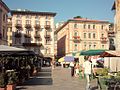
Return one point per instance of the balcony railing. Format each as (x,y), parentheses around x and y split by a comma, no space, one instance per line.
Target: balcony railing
(103,39)
(76,38)
(47,27)
(111,34)
(37,26)
(18,26)
(18,35)
(27,35)
(28,26)
(32,44)
(37,35)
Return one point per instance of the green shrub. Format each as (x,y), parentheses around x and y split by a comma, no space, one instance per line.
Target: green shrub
(102,72)
(12,77)
(2,80)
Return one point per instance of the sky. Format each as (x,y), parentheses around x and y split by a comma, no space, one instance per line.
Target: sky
(67,9)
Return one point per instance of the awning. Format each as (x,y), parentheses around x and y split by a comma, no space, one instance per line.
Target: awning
(68,58)
(92,52)
(110,54)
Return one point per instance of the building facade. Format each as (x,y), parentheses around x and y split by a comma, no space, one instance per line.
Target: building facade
(116,7)
(33,31)
(79,34)
(3,22)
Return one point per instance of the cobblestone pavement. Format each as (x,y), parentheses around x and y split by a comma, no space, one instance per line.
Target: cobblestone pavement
(56,79)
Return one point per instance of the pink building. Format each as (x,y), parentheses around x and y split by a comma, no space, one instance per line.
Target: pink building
(79,34)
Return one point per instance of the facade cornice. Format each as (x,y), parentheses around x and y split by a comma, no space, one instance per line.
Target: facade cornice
(32,12)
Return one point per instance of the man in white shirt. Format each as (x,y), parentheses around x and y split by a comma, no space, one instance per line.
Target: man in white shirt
(87,68)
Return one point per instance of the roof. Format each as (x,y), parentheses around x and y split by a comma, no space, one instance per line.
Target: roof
(31,12)
(9,48)
(4,5)
(81,20)
(13,51)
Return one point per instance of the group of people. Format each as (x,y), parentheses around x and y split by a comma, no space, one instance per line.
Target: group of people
(86,70)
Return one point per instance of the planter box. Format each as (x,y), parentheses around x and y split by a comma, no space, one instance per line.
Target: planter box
(2,88)
(11,87)
(102,83)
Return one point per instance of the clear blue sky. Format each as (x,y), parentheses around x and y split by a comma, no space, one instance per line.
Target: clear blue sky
(66,9)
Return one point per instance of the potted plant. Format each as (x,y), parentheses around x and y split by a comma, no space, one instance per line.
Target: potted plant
(12,79)
(2,81)
(103,77)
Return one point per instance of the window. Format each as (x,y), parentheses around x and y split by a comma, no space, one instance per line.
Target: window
(47,23)
(88,26)
(89,46)
(37,22)
(93,26)
(47,17)
(89,35)
(18,21)
(84,26)
(84,35)
(102,46)
(28,21)
(28,32)
(17,40)
(18,16)
(75,25)
(75,33)
(37,17)
(75,47)
(102,27)
(102,35)
(93,35)
(94,46)
(28,17)
(4,17)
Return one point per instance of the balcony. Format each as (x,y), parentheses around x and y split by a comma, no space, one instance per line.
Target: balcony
(76,39)
(37,35)
(48,37)
(27,35)
(103,40)
(18,26)
(47,27)
(111,34)
(28,26)
(37,26)
(18,35)
(32,44)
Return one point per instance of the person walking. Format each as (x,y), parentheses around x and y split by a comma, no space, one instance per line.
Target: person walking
(72,68)
(87,69)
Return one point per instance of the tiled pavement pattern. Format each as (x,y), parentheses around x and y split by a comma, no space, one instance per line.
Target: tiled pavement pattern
(56,79)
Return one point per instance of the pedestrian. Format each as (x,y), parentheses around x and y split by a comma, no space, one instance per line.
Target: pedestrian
(87,68)
(77,69)
(72,68)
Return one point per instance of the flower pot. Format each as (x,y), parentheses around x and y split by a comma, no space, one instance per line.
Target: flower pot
(102,83)
(11,87)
